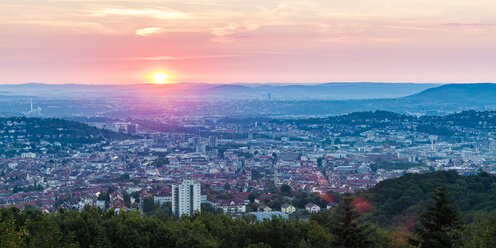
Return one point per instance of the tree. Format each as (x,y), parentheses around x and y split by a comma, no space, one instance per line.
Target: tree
(285,189)
(318,236)
(148,204)
(10,235)
(481,232)
(349,232)
(227,186)
(274,156)
(437,224)
(252,197)
(160,162)
(127,199)
(319,161)
(259,245)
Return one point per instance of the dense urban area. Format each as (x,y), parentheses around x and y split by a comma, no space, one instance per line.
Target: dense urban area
(241,164)
(364,179)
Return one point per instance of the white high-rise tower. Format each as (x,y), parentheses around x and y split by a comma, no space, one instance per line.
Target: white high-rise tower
(186,198)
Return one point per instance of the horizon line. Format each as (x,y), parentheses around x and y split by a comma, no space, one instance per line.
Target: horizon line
(240,83)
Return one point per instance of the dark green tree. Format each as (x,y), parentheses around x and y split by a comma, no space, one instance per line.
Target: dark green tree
(347,228)
(227,186)
(274,156)
(252,197)
(319,161)
(437,223)
(148,204)
(285,189)
(127,198)
(481,232)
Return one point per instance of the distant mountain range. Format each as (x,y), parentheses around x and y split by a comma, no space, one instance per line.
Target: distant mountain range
(247,99)
(327,91)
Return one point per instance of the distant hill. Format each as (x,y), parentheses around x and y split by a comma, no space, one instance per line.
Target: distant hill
(441,125)
(286,99)
(343,91)
(327,91)
(440,100)
(484,93)
(53,130)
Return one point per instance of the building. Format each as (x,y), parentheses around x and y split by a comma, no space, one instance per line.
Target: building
(124,127)
(492,147)
(260,216)
(186,198)
(263,208)
(28,155)
(312,208)
(287,208)
(232,206)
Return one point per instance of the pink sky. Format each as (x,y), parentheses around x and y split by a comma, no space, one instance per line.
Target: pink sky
(219,41)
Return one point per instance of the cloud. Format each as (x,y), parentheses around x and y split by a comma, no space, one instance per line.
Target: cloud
(470,24)
(223,32)
(158,13)
(168,58)
(148,31)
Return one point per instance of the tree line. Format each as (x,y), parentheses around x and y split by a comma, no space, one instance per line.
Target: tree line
(439,225)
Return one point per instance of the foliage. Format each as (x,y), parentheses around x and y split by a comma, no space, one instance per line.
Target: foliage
(437,223)
(350,232)
(387,165)
(149,204)
(401,199)
(481,232)
(160,162)
(346,226)
(285,189)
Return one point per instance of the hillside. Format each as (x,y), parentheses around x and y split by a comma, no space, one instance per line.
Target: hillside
(448,125)
(400,200)
(247,100)
(325,91)
(21,129)
(466,94)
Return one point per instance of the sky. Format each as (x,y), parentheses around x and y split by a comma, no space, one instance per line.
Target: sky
(255,41)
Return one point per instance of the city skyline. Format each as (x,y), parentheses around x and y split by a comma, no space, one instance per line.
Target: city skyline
(121,42)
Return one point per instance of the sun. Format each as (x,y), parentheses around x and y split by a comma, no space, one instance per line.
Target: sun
(160,77)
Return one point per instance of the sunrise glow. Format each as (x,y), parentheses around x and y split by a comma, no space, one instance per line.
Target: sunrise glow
(260,41)
(160,77)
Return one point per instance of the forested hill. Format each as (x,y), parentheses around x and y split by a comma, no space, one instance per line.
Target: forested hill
(21,130)
(446,125)
(482,93)
(395,201)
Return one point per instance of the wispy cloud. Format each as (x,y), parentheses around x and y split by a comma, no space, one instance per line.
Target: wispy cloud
(158,13)
(148,31)
(470,24)
(166,58)
(222,32)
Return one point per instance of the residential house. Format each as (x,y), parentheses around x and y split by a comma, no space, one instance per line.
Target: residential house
(288,208)
(312,208)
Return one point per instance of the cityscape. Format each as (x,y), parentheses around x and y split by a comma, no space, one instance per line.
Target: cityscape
(232,159)
(247,124)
